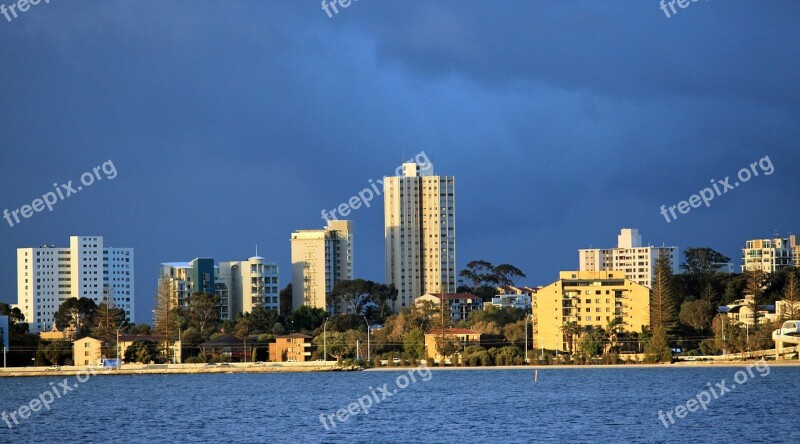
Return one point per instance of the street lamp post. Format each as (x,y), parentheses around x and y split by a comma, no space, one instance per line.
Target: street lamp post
(365,320)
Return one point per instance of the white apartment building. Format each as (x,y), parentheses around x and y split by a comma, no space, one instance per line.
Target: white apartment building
(251,283)
(49,275)
(419,233)
(320,259)
(771,255)
(239,285)
(630,256)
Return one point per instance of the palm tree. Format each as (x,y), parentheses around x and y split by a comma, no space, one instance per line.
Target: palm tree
(614,328)
(572,330)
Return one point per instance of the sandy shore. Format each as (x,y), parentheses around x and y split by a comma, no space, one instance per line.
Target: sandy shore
(176,369)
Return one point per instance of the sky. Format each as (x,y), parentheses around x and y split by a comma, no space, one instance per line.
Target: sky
(232,124)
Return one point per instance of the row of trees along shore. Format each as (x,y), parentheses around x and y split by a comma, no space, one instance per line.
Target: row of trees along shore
(683,314)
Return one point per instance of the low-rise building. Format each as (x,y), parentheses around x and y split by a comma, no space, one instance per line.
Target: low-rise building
(464,336)
(227,346)
(174,355)
(740,311)
(521,301)
(55,335)
(461,304)
(591,299)
(86,352)
(290,348)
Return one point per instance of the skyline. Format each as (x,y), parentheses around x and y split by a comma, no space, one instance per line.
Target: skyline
(239,128)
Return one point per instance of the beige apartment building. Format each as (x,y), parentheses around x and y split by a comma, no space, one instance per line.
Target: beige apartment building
(591,299)
(320,259)
(464,336)
(419,233)
(636,260)
(771,255)
(86,351)
(290,348)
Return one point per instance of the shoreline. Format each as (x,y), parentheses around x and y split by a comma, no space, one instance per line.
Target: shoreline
(676,365)
(176,369)
(332,366)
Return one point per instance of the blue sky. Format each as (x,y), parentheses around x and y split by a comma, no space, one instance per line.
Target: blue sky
(234,123)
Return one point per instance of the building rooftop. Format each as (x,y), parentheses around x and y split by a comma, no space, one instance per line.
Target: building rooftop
(452,331)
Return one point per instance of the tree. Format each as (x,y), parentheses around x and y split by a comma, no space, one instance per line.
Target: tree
(244,326)
(414,344)
(285,298)
(657,350)
(696,314)
(478,273)
(662,305)
(515,333)
(755,289)
(78,313)
(307,318)
(141,351)
(202,310)
(483,278)
(447,346)
(791,298)
(166,313)
(571,330)
(383,296)
(592,343)
(508,274)
(702,261)
(263,320)
(614,329)
(56,352)
(15,315)
(107,320)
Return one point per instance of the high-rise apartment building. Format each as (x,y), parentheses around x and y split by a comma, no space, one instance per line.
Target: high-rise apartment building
(49,275)
(320,259)
(630,256)
(252,283)
(591,299)
(771,255)
(419,233)
(239,285)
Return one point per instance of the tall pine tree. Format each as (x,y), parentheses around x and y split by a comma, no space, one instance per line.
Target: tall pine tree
(662,302)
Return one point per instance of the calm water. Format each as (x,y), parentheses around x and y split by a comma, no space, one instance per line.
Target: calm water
(582,405)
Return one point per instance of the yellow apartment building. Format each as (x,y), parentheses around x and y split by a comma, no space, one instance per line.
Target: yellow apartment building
(290,348)
(86,351)
(591,299)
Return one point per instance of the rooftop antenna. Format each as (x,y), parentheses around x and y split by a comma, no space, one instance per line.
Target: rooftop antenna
(256,250)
